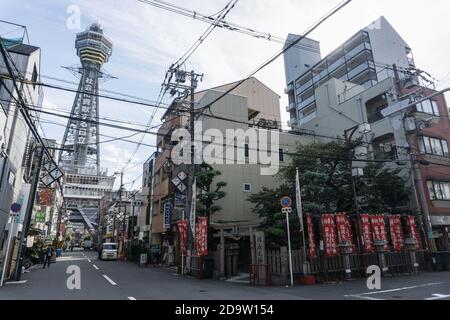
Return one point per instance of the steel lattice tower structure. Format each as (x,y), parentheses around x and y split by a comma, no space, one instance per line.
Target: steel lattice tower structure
(85,182)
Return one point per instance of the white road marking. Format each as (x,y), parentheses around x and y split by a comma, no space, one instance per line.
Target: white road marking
(394,290)
(96,268)
(362,297)
(131,298)
(16,282)
(89,260)
(109,280)
(437,296)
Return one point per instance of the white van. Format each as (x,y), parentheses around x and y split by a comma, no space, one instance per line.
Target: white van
(108,251)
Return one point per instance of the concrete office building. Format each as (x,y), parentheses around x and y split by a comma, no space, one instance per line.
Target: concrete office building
(252,105)
(375,91)
(365,59)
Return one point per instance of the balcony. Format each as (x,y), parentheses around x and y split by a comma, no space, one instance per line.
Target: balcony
(360,69)
(307,102)
(340,62)
(354,52)
(305,86)
(292,123)
(289,88)
(290,107)
(308,118)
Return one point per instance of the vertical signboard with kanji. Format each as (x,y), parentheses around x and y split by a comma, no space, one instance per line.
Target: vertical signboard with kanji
(182,234)
(167,211)
(412,230)
(201,236)
(329,235)
(395,227)
(365,233)
(344,230)
(312,243)
(379,229)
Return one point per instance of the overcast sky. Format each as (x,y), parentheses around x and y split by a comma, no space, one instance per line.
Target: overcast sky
(147,40)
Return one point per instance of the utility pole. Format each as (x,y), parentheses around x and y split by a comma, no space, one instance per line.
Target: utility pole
(131,228)
(185,91)
(348,142)
(423,214)
(120,203)
(28,213)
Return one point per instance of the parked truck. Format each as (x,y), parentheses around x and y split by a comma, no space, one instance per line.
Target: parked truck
(87,245)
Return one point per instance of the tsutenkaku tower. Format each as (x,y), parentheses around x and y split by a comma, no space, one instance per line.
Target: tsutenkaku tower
(82,136)
(85,183)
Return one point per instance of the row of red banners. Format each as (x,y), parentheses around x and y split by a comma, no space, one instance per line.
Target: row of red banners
(201,236)
(336,228)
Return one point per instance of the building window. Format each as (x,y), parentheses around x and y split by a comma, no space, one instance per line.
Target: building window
(281,154)
(247,187)
(439,190)
(12,178)
(428,106)
(433,146)
(34,77)
(246,150)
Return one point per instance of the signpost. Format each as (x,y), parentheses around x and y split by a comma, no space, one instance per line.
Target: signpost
(15,210)
(286,205)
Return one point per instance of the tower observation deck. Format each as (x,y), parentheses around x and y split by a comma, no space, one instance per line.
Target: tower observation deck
(85,182)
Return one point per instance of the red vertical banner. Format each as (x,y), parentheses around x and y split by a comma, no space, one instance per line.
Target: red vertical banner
(201,236)
(329,235)
(365,233)
(182,235)
(344,230)
(379,229)
(395,227)
(312,243)
(412,230)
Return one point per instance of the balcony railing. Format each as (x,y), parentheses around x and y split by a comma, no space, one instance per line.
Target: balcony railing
(290,107)
(306,102)
(359,69)
(308,118)
(355,51)
(293,122)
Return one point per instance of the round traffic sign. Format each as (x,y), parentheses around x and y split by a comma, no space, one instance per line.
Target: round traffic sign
(15,207)
(286,202)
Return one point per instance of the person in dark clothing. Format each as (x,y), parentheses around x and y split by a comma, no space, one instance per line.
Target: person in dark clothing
(48,256)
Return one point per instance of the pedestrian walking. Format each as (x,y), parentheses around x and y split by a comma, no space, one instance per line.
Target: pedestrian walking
(48,256)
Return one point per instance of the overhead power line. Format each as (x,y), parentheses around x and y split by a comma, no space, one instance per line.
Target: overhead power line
(230,5)
(273,58)
(52,86)
(225,25)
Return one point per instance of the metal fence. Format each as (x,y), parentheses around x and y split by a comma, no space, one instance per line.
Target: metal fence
(333,268)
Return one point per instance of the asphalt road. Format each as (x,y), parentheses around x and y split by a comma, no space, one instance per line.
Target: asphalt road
(113,280)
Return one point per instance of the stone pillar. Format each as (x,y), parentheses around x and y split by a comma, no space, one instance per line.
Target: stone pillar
(222,254)
(379,249)
(252,246)
(410,245)
(346,248)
